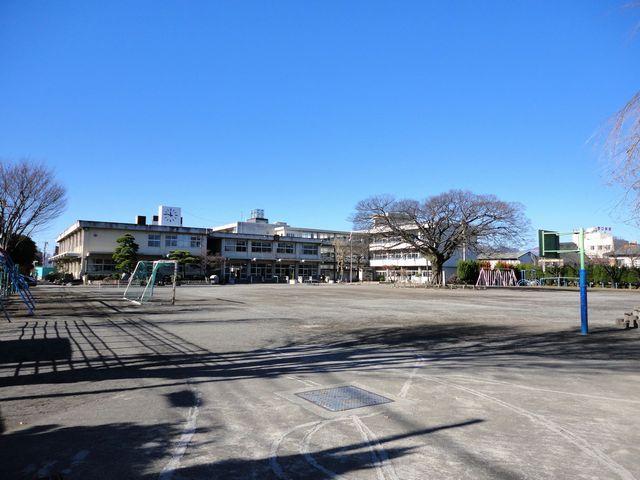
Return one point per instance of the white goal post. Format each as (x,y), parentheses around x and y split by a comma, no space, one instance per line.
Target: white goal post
(149,274)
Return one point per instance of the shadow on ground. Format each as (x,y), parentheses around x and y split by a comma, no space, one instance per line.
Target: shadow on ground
(141,452)
(127,349)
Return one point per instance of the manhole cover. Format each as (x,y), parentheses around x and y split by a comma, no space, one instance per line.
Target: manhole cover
(343,398)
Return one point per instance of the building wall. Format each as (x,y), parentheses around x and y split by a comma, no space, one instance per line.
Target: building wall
(393,263)
(598,241)
(264,231)
(98,240)
(91,247)
(626,261)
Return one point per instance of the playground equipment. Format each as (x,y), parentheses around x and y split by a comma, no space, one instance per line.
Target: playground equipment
(149,274)
(560,281)
(496,278)
(528,278)
(12,282)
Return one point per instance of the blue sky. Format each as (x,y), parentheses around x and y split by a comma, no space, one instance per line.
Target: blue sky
(303,108)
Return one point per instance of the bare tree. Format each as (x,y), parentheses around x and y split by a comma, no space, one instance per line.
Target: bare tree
(623,151)
(30,198)
(622,147)
(440,225)
(351,251)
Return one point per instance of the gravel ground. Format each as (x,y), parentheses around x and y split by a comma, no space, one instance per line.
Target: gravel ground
(476,384)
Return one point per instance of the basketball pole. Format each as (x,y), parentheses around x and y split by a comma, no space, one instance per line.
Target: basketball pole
(555,243)
(584,313)
(175,279)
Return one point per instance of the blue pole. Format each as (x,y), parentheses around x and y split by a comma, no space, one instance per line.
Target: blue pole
(584,314)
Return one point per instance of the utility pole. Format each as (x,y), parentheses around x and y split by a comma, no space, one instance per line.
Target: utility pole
(44,254)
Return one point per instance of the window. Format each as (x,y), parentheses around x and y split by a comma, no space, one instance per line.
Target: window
(171,241)
(261,246)
(309,249)
(154,240)
(307,270)
(262,270)
(196,242)
(284,270)
(286,247)
(235,246)
(101,265)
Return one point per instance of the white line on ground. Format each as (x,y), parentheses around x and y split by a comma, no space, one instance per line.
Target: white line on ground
(378,453)
(183,442)
(304,450)
(308,383)
(538,389)
(580,443)
(275,446)
(407,385)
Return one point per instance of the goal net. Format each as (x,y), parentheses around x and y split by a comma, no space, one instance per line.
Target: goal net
(152,279)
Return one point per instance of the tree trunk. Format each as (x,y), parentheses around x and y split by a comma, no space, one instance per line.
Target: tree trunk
(437,265)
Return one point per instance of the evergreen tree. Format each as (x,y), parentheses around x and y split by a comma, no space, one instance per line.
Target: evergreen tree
(125,255)
(183,257)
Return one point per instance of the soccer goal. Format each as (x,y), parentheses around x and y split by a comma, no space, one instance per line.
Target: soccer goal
(151,277)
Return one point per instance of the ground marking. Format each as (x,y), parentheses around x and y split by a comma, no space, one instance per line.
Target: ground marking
(275,446)
(526,387)
(308,383)
(549,424)
(407,385)
(304,450)
(378,453)
(183,442)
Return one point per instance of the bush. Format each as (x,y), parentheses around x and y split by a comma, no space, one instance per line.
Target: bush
(503,266)
(53,276)
(468,271)
(631,276)
(532,272)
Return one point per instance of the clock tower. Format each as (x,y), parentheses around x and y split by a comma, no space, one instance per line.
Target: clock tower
(169,216)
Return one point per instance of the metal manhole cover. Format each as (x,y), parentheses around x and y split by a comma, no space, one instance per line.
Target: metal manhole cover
(343,398)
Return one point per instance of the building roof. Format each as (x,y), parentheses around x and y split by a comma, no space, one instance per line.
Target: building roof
(626,250)
(505,255)
(80,224)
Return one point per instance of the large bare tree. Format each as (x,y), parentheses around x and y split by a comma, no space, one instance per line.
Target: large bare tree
(442,224)
(623,150)
(30,198)
(622,146)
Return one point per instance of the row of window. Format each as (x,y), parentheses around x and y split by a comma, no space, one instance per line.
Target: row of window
(102,265)
(321,236)
(268,270)
(267,247)
(395,255)
(192,241)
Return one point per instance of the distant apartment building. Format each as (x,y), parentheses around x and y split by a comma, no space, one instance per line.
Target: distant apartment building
(85,249)
(258,251)
(598,241)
